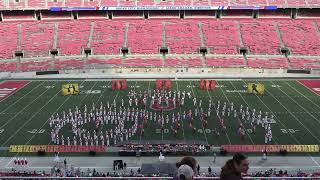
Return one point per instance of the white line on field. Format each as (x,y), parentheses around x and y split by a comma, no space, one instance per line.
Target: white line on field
(282,124)
(19,112)
(16,101)
(294,116)
(231,113)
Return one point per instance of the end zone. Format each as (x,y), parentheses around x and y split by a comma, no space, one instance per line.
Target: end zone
(8,88)
(313,85)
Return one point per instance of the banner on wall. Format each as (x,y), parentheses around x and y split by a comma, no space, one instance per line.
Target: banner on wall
(54,148)
(159,8)
(270,148)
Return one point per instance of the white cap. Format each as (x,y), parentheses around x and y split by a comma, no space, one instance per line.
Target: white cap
(186,171)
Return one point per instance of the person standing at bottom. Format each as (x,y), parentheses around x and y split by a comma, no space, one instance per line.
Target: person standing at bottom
(235,167)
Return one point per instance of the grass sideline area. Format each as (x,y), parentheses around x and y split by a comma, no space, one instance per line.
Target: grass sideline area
(24,115)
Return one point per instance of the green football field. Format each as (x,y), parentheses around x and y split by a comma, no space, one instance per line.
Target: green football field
(24,116)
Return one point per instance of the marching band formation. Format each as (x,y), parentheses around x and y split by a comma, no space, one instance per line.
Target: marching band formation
(127,121)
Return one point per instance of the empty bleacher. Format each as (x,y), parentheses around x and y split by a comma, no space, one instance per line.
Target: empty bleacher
(8,66)
(145,37)
(225,62)
(68,63)
(35,66)
(108,37)
(260,37)
(182,37)
(268,63)
(183,62)
(8,40)
(142,62)
(36,38)
(221,37)
(300,36)
(109,62)
(73,36)
(305,63)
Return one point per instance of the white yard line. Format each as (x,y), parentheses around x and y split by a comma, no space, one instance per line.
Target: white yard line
(19,112)
(315,104)
(14,91)
(60,107)
(35,115)
(294,116)
(146,109)
(298,104)
(16,101)
(276,140)
(184,137)
(308,88)
(217,114)
(282,124)
(204,132)
(231,112)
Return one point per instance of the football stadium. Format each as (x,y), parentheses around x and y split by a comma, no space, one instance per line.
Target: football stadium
(160,89)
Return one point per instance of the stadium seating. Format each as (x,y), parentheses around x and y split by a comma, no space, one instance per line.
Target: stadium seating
(183,62)
(221,37)
(8,40)
(56,3)
(164,3)
(68,64)
(37,4)
(300,36)
(313,2)
(92,3)
(281,3)
(268,63)
(73,36)
(145,2)
(260,37)
(142,62)
(127,2)
(8,66)
(302,63)
(182,37)
(182,2)
(35,66)
(107,37)
(238,2)
(111,62)
(37,38)
(293,3)
(258,2)
(225,62)
(201,2)
(144,37)
(107,2)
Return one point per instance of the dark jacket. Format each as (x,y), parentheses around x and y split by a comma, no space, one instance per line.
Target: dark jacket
(228,172)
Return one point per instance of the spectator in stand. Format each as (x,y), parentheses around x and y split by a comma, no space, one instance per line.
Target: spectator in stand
(234,167)
(185,172)
(186,168)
